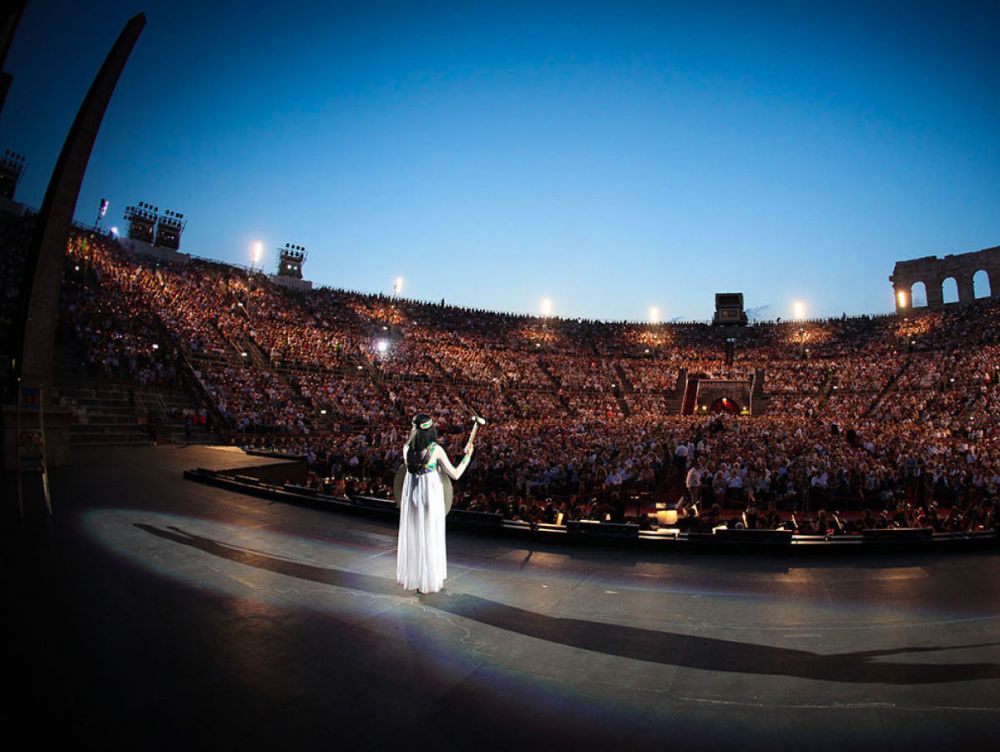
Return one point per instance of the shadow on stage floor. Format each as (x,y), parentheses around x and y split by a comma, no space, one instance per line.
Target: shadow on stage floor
(667,648)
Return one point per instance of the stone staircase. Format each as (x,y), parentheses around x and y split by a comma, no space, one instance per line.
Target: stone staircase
(620,397)
(110,412)
(544,368)
(623,379)
(827,388)
(758,399)
(890,384)
(103,414)
(689,403)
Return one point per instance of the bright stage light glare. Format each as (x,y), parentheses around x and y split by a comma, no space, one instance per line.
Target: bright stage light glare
(798,310)
(546,307)
(654,315)
(382,345)
(901,298)
(397,286)
(257,251)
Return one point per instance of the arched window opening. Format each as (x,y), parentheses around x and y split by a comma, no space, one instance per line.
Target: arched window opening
(949,290)
(981,284)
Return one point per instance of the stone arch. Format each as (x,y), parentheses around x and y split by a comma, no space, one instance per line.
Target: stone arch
(949,290)
(724,405)
(954,270)
(981,284)
(918,295)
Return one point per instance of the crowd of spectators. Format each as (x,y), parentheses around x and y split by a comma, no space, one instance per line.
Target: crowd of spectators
(856,414)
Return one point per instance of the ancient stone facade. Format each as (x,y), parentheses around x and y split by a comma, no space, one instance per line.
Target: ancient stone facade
(933,272)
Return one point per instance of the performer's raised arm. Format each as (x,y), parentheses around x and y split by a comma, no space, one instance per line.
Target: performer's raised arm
(445,464)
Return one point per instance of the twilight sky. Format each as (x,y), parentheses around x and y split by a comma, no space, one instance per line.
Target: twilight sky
(610,155)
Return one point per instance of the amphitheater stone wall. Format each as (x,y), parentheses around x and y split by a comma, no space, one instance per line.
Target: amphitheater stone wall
(933,272)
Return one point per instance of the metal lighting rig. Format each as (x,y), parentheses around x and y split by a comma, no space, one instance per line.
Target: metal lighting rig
(169,228)
(290,260)
(141,220)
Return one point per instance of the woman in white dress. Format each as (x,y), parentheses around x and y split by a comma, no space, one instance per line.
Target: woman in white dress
(422,562)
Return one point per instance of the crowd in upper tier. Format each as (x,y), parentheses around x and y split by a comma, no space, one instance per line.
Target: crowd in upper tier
(850,414)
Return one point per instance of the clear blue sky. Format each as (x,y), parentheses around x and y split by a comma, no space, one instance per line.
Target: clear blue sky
(610,156)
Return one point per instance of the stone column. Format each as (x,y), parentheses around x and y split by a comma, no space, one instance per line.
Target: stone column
(935,296)
(966,291)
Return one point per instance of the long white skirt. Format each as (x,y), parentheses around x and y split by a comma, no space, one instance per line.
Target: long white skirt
(421,559)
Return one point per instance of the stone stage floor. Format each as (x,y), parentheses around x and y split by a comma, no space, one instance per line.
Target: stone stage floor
(157,612)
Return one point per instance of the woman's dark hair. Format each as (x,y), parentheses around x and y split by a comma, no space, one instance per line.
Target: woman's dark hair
(422,438)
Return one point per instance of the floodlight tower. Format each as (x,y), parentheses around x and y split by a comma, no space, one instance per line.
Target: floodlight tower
(290,260)
(169,227)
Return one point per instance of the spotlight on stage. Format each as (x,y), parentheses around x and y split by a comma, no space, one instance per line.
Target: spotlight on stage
(382,345)
(798,310)
(654,315)
(546,307)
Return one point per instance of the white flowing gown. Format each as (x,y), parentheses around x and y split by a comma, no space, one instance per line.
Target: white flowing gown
(421,560)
